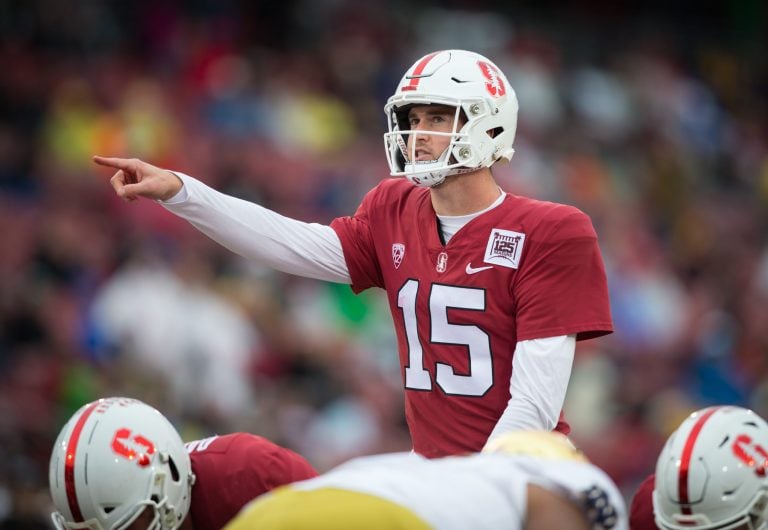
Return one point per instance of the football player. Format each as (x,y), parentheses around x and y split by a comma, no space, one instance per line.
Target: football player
(489,291)
(120,464)
(534,480)
(711,474)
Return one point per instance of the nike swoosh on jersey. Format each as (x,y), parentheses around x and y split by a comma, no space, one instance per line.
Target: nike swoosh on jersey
(474,270)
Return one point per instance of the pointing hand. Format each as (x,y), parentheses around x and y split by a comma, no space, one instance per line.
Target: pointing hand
(135,178)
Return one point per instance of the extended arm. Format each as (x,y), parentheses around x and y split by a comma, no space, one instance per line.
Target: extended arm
(541,369)
(305,249)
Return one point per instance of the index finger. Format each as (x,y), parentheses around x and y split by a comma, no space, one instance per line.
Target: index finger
(114,162)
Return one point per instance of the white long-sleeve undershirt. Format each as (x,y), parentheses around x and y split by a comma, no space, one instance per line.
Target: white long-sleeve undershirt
(541,368)
(311,250)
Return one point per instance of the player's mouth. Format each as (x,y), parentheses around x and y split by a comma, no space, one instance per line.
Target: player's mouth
(422,155)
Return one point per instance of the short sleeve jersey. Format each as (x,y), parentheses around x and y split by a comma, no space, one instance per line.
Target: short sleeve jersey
(641,508)
(233,469)
(526,269)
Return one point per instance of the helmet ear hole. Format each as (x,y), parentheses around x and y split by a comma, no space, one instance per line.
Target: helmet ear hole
(175,476)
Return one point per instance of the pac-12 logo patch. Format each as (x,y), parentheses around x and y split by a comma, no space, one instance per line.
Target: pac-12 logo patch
(504,248)
(398,252)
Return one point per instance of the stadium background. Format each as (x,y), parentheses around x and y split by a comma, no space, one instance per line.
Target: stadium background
(653,120)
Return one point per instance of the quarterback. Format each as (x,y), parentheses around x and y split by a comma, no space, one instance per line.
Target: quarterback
(489,291)
(119,464)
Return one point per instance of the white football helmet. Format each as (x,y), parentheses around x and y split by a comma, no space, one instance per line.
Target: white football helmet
(115,458)
(711,473)
(482,97)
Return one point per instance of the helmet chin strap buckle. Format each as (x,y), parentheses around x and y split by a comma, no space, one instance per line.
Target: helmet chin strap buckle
(428,177)
(428,180)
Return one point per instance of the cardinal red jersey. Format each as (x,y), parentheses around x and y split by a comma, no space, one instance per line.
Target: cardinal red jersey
(233,469)
(641,509)
(526,269)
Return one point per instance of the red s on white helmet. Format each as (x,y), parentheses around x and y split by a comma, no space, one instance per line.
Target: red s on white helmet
(482,96)
(115,458)
(712,472)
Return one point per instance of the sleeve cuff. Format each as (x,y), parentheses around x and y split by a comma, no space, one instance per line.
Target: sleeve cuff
(182,195)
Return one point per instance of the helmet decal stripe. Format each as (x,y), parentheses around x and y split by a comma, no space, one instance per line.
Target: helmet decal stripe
(69,462)
(416,74)
(685,460)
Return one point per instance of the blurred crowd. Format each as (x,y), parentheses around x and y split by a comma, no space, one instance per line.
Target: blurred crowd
(654,122)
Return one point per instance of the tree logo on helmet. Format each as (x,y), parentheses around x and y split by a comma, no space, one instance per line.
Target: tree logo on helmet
(494,85)
(132,447)
(752,454)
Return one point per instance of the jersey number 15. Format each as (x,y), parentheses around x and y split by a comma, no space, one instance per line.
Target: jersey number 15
(477,341)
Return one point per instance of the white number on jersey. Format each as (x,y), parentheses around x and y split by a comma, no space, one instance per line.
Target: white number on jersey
(442,298)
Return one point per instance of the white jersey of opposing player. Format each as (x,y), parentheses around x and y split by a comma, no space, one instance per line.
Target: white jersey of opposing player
(481,492)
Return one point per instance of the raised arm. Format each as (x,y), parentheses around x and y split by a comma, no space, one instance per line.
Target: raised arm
(252,231)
